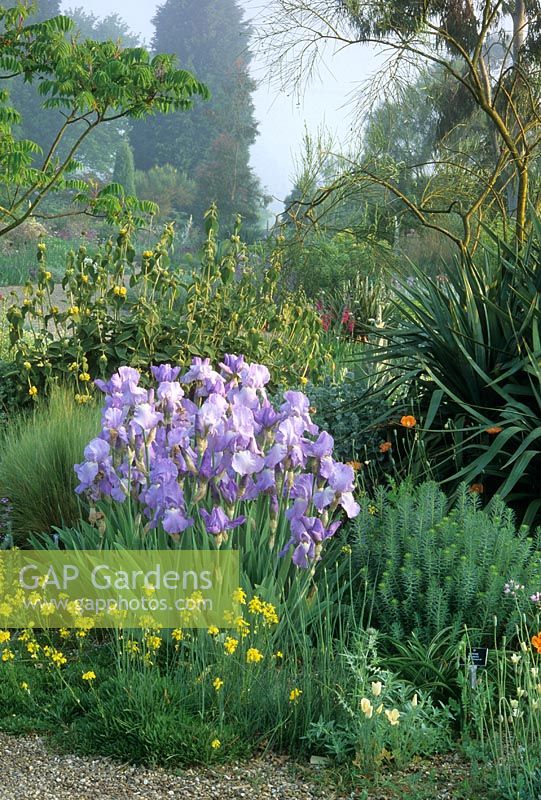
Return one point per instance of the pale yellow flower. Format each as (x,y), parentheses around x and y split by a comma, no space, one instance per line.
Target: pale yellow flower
(366,707)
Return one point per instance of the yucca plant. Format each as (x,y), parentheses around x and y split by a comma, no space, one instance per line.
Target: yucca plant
(466,355)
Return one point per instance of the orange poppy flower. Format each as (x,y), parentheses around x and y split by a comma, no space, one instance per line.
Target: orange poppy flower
(408,421)
(477,488)
(494,430)
(536,641)
(385,447)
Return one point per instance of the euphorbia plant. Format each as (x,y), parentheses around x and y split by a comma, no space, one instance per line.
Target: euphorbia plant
(193,454)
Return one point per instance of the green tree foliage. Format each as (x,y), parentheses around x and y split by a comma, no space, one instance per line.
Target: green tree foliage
(91,83)
(172,190)
(212,146)
(124,172)
(40,125)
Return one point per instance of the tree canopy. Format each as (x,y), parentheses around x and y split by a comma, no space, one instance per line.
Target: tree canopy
(89,83)
(211,39)
(487,57)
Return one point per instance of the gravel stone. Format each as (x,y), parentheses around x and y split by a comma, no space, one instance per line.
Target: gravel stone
(30,771)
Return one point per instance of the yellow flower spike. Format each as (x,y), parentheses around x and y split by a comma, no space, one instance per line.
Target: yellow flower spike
(25,687)
(64,633)
(217,683)
(213,630)
(239,596)
(58,659)
(7,655)
(255,606)
(153,642)
(33,648)
(215,744)
(33,390)
(230,645)
(5,636)
(132,647)
(177,634)
(89,676)
(278,654)
(294,695)
(254,656)
(84,377)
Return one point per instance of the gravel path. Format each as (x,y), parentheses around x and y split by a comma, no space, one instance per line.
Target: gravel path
(29,771)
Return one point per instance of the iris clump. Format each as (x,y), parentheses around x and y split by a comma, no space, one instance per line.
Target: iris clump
(187,450)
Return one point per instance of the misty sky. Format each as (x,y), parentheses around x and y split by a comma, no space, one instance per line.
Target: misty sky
(281,118)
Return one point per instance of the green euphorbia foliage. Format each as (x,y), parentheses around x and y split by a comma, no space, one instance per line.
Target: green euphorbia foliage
(123,310)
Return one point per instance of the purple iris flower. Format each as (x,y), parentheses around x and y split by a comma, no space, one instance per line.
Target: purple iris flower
(97,450)
(323,446)
(165,373)
(232,366)
(175,521)
(211,413)
(146,418)
(298,405)
(200,370)
(255,376)
(247,463)
(218,522)
(248,449)
(342,477)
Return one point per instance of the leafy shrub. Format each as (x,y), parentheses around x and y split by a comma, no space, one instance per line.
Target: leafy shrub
(119,312)
(380,719)
(322,262)
(349,413)
(433,570)
(38,452)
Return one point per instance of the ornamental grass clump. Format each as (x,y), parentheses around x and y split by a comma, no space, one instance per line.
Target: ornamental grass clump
(194,454)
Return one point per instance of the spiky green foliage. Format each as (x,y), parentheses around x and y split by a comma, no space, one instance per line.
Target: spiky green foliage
(467,352)
(36,464)
(434,569)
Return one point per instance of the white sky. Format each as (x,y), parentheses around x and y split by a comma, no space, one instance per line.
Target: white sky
(282,119)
